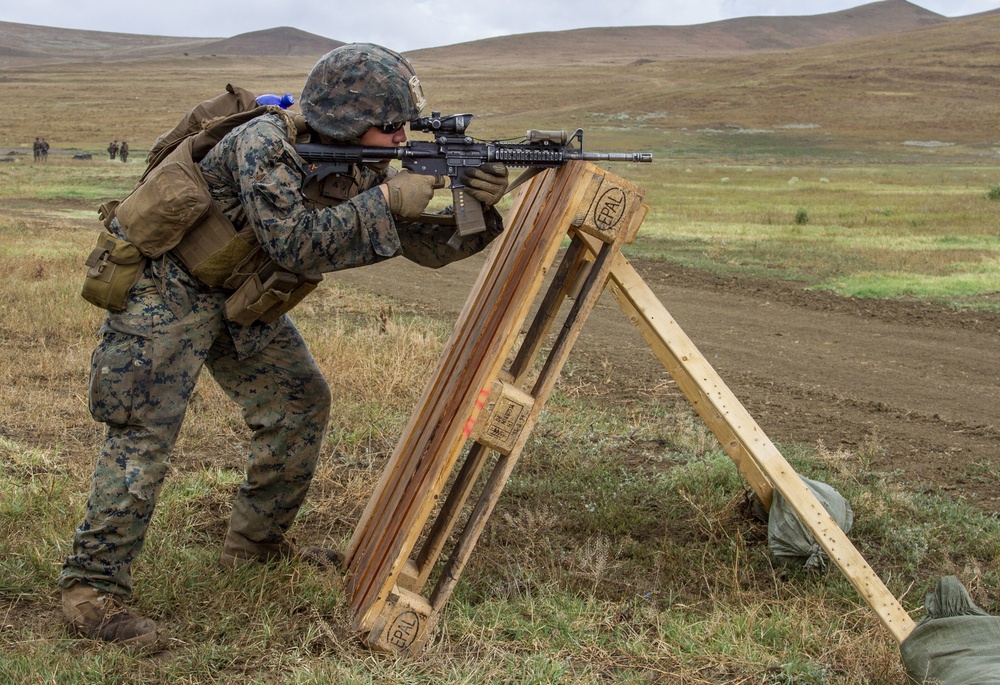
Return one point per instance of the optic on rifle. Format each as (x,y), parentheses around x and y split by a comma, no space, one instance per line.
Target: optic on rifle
(450,124)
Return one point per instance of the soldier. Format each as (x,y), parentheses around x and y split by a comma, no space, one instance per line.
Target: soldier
(123,151)
(36,149)
(113,149)
(149,356)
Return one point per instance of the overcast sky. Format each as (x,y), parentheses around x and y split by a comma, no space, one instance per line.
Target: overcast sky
(414,24)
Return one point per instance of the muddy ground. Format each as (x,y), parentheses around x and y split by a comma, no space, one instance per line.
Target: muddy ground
(923,382)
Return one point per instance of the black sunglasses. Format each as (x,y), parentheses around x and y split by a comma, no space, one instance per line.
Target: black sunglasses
(391,128)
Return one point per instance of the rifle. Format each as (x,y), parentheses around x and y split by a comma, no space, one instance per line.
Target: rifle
(452,152)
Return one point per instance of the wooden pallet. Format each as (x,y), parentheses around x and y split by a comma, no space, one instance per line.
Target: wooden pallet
(490,386)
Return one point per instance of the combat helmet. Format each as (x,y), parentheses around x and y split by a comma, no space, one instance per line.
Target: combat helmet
(357,86)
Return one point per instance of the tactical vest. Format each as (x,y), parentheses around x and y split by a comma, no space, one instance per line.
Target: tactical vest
(171,210)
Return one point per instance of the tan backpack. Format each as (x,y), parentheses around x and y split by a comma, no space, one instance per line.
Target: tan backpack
(233,101)
(171,208)
(172,197)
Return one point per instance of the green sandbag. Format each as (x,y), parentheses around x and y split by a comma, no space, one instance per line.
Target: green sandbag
(790,541)
(956,643)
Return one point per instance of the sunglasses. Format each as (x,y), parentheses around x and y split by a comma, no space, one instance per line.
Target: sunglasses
(391,128)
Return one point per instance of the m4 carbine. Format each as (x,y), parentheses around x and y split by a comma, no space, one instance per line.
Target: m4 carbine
(452,152)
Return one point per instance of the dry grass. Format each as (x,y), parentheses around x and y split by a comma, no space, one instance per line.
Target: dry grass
(606,560)
(577,579)
(918,230)
(620,551)
(868,95)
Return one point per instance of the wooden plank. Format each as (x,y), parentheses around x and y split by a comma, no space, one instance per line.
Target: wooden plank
(675,358)
(709,411)
(527,207)
(729,419)
(584,304)
(450,511)
(442,450)
(520,366)
(472,360)
(394,475)
(532,255)
(472,468)
(505,462)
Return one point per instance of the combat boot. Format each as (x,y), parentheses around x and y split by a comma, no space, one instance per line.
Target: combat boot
(238,551)
(95,615)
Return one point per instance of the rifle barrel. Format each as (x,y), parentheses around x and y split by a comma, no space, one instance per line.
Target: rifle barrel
(528,155)
(611,156)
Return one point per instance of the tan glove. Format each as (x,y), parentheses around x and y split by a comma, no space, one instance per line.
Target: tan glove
(409,194)
(487,183)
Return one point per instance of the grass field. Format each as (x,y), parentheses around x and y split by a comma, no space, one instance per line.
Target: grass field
(621,551)
(913,231)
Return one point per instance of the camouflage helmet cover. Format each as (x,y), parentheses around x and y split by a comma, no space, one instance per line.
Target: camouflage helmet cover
(357,86)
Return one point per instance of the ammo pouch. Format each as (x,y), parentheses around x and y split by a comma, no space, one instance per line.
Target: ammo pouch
(264,291)
(267,291)
(114,267)
(170,199)
(211,249)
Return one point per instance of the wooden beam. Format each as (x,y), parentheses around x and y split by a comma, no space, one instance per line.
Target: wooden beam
(755,455)
(471,362)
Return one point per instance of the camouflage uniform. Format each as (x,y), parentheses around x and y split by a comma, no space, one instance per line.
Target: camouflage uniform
(146,364)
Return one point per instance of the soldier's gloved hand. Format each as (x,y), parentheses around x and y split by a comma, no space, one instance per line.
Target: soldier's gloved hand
(409,194)
(486,183)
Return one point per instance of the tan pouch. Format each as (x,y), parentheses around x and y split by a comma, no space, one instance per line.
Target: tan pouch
(213,249)
(166,204)
(263,301)
(114,267)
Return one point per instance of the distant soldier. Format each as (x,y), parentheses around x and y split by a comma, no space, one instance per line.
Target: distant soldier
(123,151)
(113,148)
(45,150)
(36,149)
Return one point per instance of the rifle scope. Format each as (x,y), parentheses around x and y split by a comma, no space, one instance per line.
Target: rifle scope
(450,124)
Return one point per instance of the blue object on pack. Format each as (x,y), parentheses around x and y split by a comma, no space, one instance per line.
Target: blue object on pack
(284,101)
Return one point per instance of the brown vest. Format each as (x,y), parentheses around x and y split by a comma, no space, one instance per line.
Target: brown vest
(220,256)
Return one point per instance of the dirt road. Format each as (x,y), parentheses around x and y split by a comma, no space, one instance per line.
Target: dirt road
(923,381)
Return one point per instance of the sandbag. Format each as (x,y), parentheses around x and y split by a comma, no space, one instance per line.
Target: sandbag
(790,541)
(956,643)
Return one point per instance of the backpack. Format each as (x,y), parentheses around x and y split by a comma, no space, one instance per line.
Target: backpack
(171,208)
(172,197)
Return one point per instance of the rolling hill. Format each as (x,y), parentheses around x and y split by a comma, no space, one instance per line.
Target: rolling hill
(655,43)
(22,44)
